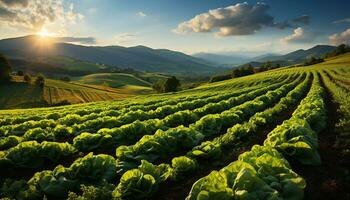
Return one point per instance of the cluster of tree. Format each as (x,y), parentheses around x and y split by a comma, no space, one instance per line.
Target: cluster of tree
(124,70)
(341,49)
(40,80)
(266,66)
(242,71)
(170,84)
(5,69)
(218,78)
(312,61)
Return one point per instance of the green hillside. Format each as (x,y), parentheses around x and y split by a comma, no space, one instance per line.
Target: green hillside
(279,134)
(114,80)
(18,94)
(71,64)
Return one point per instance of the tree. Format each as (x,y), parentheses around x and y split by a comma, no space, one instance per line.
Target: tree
(220,78)
(5,69)
(312,60)
(40,80)
(27,78)
(242,71)
(168,85)
(20,73)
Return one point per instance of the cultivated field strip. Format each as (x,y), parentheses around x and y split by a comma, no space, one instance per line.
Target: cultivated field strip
(47,113)
(266,165)
(209,151)
(342,99)
(166,143)
(188,137)
(339,80)
(94,110)
(107,119)
(85,141)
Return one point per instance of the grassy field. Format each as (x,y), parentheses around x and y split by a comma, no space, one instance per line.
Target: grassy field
(19,94)
(114,80)
(279,134)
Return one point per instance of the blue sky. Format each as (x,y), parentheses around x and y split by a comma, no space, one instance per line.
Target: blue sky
(155,23)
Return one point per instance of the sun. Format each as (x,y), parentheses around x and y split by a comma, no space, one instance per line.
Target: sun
(45,33)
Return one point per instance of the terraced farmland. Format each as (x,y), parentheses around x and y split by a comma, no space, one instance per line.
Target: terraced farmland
(266,136)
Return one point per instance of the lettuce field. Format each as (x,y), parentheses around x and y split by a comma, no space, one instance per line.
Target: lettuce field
(266,136)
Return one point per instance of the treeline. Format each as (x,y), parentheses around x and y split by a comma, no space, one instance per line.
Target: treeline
(248,69)
(341,49)
(245,71)
(6,73)
(171,84)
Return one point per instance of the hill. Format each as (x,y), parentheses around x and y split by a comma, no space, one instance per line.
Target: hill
(222,59)
(19,94)
(140,58)
(300,55)
(114,80)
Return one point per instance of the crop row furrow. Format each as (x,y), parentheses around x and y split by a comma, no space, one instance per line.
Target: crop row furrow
(264,166)
(128,134)
(53,132)
(163,144)
(210,151)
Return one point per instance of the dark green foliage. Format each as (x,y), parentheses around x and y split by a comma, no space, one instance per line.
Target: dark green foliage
(341,49)
(93,193)
(242,71)
(40,80)
(312,61)
(20,73)
(27,78)
(220,78)
(5,69)
(266,66)
(168,85)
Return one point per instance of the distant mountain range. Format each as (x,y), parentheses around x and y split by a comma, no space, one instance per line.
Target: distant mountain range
(294,57)
(139,57)
(300,55)
(225,60)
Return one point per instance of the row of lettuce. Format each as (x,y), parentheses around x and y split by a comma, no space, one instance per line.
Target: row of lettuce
(341,97)
(99,169)
(202,125)
(17,117)
(263,172)
(116,117)
(127,133)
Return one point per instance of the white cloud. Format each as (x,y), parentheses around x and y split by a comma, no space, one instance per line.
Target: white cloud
(299,36)
(141,14)
(340,38)
(35,15)
(239,19)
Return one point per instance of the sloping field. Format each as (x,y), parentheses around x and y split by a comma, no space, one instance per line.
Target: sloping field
(114,80)
(19,94)
(282,134)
